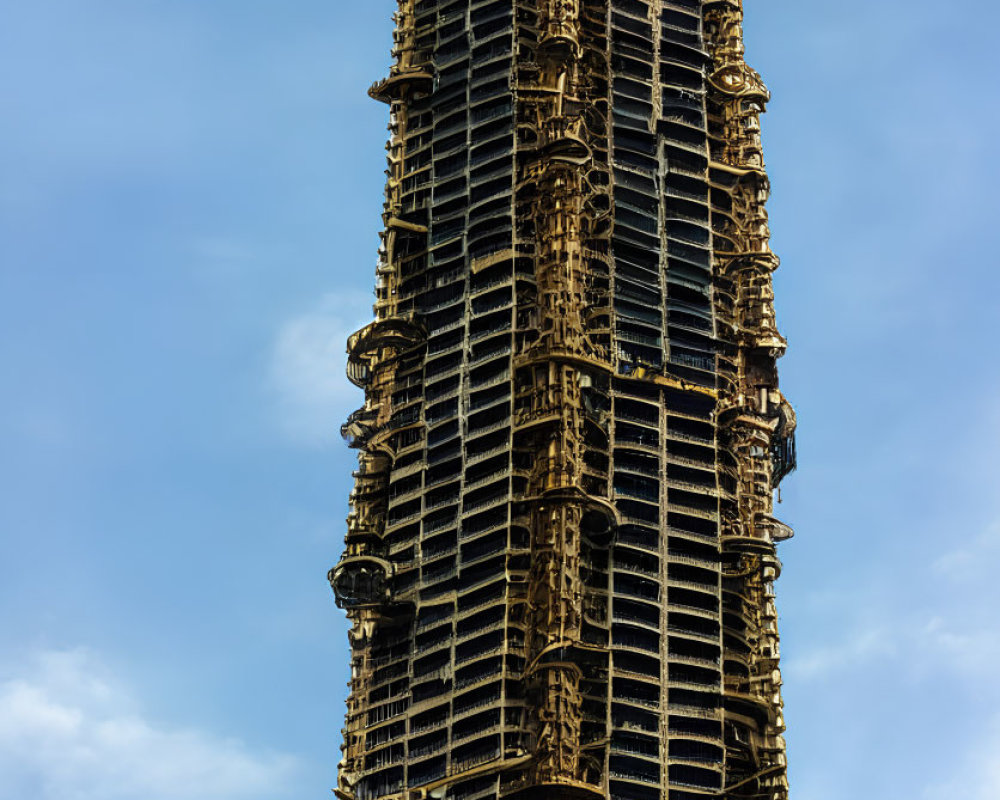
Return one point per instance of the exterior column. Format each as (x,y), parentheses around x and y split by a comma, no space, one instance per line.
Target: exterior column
(559,365)
(756,422)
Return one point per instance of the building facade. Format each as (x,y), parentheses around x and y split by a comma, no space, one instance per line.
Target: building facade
(560,558)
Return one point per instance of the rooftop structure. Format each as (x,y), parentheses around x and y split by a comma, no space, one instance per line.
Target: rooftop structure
(560,558)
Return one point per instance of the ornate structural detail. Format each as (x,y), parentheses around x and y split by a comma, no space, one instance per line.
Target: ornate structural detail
(756,423)
(560,557)
(363,580)
(557,364)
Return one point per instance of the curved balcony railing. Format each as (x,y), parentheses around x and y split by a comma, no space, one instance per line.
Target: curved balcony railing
(599,523)
(361,582)
(737,80)
(399,86)
(566,147)
(396,332)
(358,373)
(359,427)
(766,340)
(783,457)
(779,531)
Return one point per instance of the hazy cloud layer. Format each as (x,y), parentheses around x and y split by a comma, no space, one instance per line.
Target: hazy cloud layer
(977,775)
(307,369)
(69,730)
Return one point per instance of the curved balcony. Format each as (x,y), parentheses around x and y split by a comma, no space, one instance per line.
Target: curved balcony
(566,147)
(579,351)
(560,40)
(761,710)
(783,457)
(361,582)
(395,332)
(748,544)
(778,530)
(358,373)
(737,79)
(787,421)
(359,427)
(398,331)
(599,523)
(766,340)
(597,421)
(401,85)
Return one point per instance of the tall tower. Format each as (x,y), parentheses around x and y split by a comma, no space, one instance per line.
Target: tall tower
(560,558)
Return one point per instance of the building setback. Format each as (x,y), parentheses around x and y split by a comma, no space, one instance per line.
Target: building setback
(560,557)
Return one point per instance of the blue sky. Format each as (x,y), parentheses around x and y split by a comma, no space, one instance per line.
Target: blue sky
(189,196)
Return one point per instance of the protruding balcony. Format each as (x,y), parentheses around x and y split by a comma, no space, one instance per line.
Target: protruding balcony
(360,427)
(599,524)
(397,332)
(736,79)
(758,542)
(768,341)
(560,39)
(783,455)
(401,85)
(400,224)
(596,413)
(599,521)
(778,530)
(783,458)
(564,142)
(361,582)
(358,373)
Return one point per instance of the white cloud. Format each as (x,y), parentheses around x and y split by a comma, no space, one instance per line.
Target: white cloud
(976,559)
(968,647)
(977,776)
(860,648)
(946,644)
(307,368)
(963,631)
(948,629)
(70,731)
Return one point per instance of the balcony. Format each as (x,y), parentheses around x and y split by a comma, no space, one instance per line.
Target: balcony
(599,523)
(783,458)
(397,332)
(778,530)
(361,582)
(399,86)
(360,427)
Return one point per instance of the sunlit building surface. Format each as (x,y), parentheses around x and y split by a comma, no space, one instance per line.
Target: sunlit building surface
(560,559)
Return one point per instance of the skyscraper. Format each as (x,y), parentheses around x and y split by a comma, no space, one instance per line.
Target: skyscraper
(560,558)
